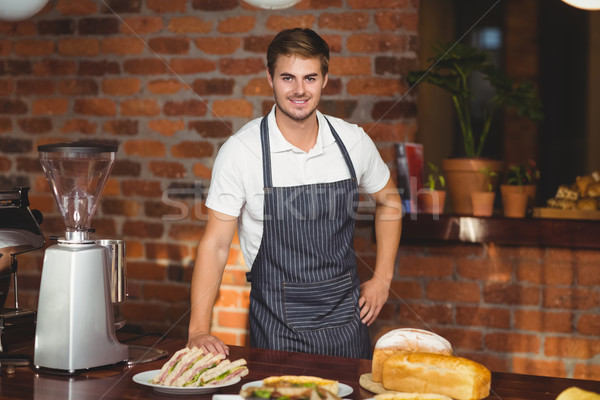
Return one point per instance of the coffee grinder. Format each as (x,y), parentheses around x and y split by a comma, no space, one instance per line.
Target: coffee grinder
(75,325)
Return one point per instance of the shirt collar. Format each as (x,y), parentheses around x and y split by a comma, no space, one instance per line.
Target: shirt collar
(280,144)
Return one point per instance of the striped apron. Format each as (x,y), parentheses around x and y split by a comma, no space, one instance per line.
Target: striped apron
(304,280)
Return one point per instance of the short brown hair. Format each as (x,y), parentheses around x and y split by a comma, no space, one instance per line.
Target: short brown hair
(301,42)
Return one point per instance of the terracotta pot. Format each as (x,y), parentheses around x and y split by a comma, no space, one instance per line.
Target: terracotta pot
(463,178)
(483,203)
(514,201)
(431,201)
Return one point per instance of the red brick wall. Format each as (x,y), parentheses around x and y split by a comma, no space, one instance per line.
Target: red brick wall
(169,81)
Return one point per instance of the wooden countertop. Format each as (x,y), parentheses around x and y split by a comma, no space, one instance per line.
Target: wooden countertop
(115,382)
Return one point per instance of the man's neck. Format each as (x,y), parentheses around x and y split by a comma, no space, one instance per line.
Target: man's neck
(302,134)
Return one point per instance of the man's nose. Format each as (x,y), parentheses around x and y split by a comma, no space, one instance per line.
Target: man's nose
(299,88)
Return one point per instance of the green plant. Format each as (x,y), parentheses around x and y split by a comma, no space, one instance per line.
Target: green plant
(450,69)
(434,177)
(488,174)
(527,174)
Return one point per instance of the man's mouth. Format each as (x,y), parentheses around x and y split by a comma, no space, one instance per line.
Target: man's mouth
(297,101)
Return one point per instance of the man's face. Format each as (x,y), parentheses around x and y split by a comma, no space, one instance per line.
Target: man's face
(297,84)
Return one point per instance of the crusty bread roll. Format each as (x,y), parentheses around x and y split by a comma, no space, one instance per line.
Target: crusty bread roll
(456,377)
(411,396)
(293,380)
(406,339)
(574,393)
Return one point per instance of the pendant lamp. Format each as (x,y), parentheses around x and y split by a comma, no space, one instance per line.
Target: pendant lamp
(17,10)
(272,4)
(584,4)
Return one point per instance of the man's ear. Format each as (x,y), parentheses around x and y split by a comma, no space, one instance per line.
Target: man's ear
(325,80)
(269,78)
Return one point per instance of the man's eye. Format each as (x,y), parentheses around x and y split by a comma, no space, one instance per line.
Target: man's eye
(310,79)
(287,78)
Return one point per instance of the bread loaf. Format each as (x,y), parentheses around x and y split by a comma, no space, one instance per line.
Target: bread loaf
(410,396)
(456,377)
(406,340)
(575,393)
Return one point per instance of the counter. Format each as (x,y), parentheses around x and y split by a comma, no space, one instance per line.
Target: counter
(115,382)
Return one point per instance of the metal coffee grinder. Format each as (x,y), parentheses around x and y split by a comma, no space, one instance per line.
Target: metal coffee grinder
(75,324)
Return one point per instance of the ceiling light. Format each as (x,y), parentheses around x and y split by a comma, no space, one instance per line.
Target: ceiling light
(584,4)
(17,10)
(272,4)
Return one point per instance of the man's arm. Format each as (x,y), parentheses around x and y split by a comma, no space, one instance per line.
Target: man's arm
(388,226)
(211,258)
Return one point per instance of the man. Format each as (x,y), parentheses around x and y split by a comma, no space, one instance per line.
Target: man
(290,182)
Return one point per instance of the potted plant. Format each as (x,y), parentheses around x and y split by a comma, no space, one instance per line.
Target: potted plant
(521,182)
(483,201)
(432,197)
(450,69)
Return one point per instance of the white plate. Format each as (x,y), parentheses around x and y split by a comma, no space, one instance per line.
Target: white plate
(343,390)
(145,378)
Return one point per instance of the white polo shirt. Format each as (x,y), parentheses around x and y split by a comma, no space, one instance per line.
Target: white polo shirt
(236,186)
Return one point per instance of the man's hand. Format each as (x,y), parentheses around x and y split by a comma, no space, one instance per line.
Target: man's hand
(208,343)
(373,295)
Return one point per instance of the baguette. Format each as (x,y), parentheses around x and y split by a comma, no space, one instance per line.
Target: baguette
(406,340)
(292,380)
(456,377)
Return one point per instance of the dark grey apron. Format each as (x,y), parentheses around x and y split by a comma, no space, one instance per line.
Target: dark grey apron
(304,281)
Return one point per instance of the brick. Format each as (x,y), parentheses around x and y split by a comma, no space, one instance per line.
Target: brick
(95,106)
(571,347)
(588,324)
(243,66)
(79,125)
(169,45)
(232,108)
(33,47)
(212,129)
(348,66)
(483,316)
(318,4)
(166,127)
(29,164)
(165,86)
(17,28)
(214,5)
(17,67)
(375,86)
(188,24)
(144,148)
(202,171)
(121,127)
(63,26)
(145,311)
(141,188)
(397,21)
(493,270)
(54,68)
(189,149)
(7,87)
(232,319)
(167,292)
(385,65)
(586,371)
(122,45)
(128,208)
(5,47)
(509,293)
(587,274)
(453,291)
(185,66)
(385,132)
(528,271)
(78,47)
(185,107)
(375,4)
(5,125)
(126,168)
(376,43)
(98,68)
(257,87)
(139,107)
(78,87)
(121,6)
(543,321)
(53,106)
(76,7)
(141,25)
(98,26)
(213,86)
(571,298)
(35,125)
(142,229)
(111,188)
(462,338)
(186,232)
(405,290)
(168,251)
(338,108)
(344,21)
(218,45)
(237,24)
(121,86)
(393,110)
(512,342)
(164,7)
(429,266)
(411,313)
(522,365)
(277,22)
(12,107)
(140,66)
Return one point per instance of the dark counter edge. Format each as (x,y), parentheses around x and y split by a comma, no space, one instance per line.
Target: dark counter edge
(529,231)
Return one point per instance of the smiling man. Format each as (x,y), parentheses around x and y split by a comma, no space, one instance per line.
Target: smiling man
(289,182)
